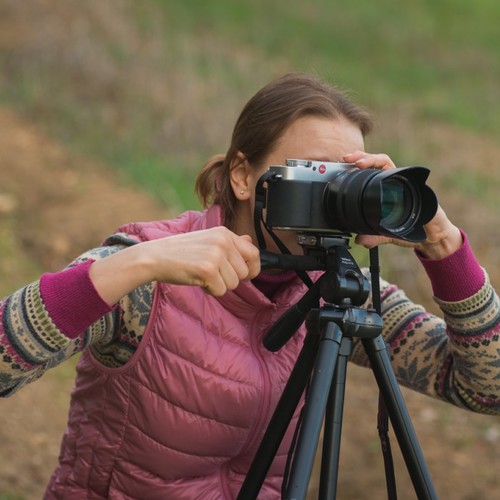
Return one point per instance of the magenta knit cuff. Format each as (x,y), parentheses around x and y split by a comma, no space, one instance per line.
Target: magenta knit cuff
(71,299)
(457,276)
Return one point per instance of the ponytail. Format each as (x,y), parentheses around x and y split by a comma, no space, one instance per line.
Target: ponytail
(213,186)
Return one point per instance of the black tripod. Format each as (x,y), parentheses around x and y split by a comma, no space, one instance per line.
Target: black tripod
(322,364)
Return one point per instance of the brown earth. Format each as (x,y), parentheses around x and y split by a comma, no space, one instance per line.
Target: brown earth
(54,205)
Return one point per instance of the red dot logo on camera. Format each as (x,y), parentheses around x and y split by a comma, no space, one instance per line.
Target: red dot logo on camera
(322,169)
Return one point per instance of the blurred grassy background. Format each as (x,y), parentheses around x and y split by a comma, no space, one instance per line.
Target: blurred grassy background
(151,88)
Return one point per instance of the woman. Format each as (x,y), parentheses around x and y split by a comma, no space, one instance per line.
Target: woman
(174,388)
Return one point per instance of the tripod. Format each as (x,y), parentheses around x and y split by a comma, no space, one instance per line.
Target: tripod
(323,362)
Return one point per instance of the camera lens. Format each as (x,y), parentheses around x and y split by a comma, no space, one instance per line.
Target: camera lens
(394,202)
(397,201)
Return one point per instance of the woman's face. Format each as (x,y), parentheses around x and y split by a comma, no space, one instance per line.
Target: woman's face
(310,138)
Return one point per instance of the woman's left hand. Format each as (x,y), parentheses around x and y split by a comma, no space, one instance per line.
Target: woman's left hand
(443,238)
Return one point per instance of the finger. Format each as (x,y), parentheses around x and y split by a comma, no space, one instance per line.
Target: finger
(232,274)
(231,271)
(381,161)
(215,287)
(232,263)
(218,277)
(354,156)
(250,255)
(205,271)
(372,241)
(370,160)
(243,264)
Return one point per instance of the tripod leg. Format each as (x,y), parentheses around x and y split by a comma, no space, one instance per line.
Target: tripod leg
(314,411)
(378,355)
(280,420)
(333,424)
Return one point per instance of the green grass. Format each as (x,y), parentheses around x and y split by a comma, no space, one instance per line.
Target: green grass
(442,54)
(475,185)
(11,496)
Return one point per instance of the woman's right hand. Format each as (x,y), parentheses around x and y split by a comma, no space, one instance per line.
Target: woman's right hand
(215,259)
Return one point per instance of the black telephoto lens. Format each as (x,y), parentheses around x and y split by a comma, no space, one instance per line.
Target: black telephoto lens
(393,202)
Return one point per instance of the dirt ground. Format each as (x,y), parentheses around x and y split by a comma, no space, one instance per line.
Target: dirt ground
(61,205)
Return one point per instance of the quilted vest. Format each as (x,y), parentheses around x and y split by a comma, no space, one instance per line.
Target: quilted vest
(184,417)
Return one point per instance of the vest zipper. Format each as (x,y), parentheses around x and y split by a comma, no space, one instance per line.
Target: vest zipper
(265,403)
(263,409)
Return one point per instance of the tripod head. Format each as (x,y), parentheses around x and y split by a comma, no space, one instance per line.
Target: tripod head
(342,283)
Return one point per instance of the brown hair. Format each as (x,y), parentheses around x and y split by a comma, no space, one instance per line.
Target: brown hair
(262,122)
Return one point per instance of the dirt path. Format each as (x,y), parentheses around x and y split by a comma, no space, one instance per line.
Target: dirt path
(60,206)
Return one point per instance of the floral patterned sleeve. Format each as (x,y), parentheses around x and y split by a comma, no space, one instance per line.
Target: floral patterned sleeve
(455,358)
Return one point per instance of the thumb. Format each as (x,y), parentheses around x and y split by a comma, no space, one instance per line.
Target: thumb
(371,241)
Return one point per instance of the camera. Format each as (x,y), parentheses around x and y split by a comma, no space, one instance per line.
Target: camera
(309,196)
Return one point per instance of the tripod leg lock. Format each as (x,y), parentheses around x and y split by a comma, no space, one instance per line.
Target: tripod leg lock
(353,321)
(362,323)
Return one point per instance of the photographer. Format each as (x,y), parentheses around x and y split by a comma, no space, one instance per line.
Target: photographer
(174,388)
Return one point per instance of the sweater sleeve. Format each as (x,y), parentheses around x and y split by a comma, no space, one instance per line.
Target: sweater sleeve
(455,277)
(71,300)
(455,358)
(50,320)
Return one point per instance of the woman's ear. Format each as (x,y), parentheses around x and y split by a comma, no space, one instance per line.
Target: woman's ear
(239,173)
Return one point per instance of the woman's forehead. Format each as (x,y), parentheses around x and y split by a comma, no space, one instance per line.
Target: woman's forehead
(316,138)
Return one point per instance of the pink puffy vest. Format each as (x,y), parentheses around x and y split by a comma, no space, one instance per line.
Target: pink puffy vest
(183,419)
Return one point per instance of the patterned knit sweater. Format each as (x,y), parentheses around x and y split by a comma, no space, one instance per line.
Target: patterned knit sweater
(456,359)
